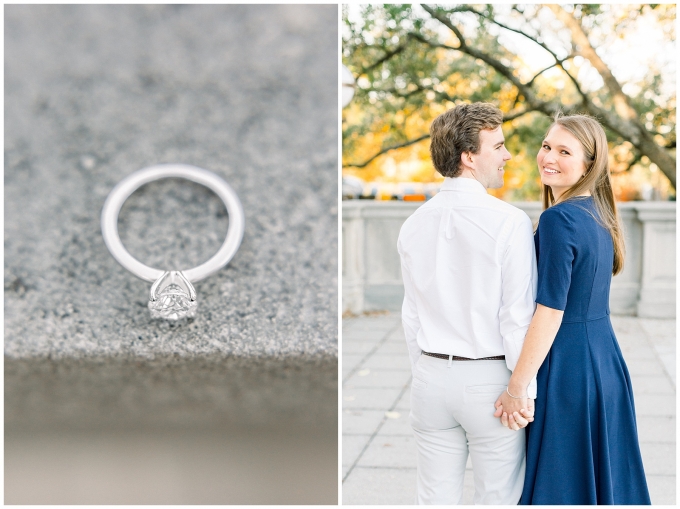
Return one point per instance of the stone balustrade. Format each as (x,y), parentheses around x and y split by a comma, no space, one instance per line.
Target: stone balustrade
(372,272)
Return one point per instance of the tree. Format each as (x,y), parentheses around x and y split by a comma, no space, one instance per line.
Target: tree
(414,62)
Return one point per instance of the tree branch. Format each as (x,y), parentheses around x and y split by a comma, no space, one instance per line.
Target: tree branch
(420,88)
(385,150)
(625,119)
(530,83)
(525,90)
(637,156)
(384,58)
(516,30)
(396,93)
(532,100)
(621,102)
(558,61)
(447,23)
(507,117)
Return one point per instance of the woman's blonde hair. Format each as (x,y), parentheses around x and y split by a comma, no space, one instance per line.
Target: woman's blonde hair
(596,179)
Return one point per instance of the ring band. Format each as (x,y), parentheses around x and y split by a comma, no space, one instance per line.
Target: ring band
(178,278)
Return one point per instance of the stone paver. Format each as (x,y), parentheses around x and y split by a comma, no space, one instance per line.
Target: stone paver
(357,347)
(393,347)
(662,487)
(361,421)
(352,447)
(653,384)
(378,378)
(369,398)
(389,451)
(379,463)
(655,404)
(656,429)
(397,424)
(405,401)
(380,486)
(661,334)
(388,362)
(658,458)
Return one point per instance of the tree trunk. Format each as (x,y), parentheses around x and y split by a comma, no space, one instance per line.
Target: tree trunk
(624,120)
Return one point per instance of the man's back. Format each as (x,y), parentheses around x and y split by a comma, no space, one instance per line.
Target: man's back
(469,273)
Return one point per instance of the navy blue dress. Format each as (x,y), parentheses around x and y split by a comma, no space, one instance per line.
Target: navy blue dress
(582,447)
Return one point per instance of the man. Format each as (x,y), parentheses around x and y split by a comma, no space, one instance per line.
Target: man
(469,271)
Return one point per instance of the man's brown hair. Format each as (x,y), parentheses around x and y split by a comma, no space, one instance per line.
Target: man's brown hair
(457,131)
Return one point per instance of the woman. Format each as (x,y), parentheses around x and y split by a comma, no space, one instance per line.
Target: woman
(582,447)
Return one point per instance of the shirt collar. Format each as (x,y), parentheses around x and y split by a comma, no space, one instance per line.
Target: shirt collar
(462,184)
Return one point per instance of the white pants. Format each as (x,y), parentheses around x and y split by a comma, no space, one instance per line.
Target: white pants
(452,406)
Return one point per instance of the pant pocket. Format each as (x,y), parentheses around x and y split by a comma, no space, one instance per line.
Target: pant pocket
(419,380)
(486,393)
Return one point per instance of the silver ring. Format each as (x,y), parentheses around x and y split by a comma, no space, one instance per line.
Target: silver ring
(172,295)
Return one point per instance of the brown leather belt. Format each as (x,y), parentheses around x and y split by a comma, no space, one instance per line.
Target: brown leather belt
(456,358)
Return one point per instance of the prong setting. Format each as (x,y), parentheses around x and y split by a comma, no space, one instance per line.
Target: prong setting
(172,297)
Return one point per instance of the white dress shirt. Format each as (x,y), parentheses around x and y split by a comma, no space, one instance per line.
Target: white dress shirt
(469,270)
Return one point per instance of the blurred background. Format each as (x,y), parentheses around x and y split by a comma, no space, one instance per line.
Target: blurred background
(410,63)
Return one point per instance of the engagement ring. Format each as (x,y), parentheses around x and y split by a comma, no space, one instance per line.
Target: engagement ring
(172,294)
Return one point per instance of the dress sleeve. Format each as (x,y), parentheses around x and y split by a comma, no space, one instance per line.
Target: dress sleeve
(556,249)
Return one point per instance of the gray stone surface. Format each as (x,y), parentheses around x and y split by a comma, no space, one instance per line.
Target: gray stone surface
(397,425)
(662,335)
(377,378)
(380,486)
(352,447)
(368,398)
(361,422)
(390,452)
(379,459)
(93,93)
(391,362)
(663,486)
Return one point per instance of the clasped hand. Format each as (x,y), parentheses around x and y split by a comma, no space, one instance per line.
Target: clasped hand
(515,413)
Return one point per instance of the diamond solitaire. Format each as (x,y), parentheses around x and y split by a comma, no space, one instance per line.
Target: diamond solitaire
(172,295)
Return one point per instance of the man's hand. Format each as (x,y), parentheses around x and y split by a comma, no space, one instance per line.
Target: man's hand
(514,413)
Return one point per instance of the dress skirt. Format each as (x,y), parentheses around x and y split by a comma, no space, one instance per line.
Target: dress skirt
(582,447)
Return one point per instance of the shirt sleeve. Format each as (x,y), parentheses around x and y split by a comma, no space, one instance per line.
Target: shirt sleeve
(518,290)
(409,313)
(556,249)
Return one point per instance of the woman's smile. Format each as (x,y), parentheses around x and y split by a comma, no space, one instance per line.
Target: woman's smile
(560,160)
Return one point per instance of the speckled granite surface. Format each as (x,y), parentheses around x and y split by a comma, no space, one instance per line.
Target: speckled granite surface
(93,93)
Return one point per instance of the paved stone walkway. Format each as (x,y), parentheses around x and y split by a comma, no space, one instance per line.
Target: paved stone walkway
(378,450)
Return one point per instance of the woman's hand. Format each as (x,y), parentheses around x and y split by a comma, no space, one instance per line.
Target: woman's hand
(515,413)
(537,342)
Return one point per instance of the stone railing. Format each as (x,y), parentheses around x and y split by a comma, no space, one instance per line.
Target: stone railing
(372,273)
